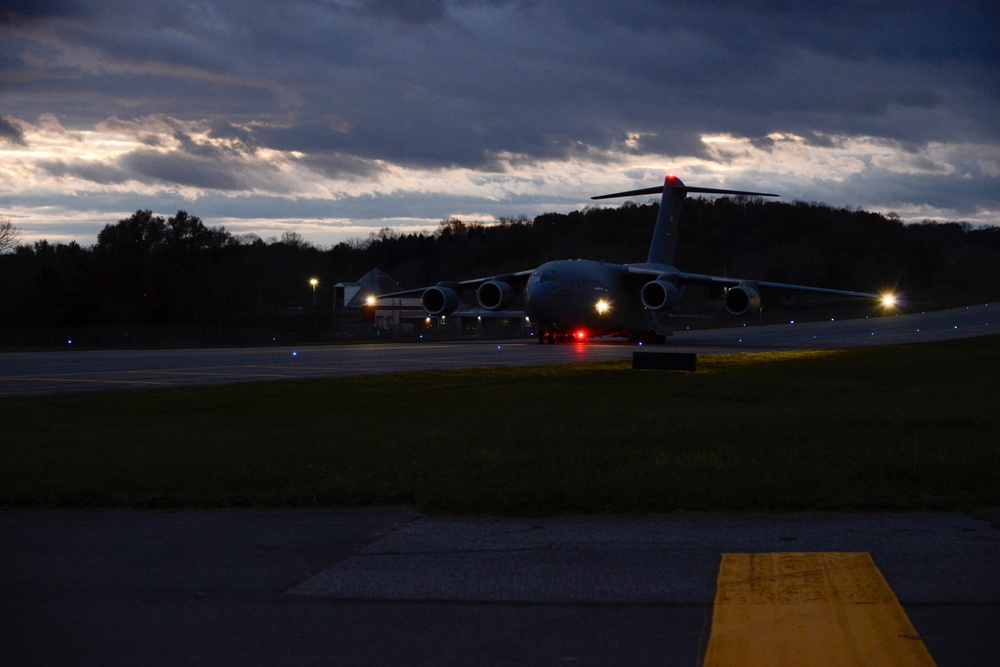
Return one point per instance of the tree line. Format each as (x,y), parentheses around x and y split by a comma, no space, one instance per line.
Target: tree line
(148,270)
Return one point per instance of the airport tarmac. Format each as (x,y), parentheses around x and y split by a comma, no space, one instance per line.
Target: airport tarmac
(24,373)
(388,586)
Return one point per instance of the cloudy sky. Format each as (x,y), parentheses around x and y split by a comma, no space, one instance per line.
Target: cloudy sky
(334,118)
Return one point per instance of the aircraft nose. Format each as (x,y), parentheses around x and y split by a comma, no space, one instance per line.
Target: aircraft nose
(539,299)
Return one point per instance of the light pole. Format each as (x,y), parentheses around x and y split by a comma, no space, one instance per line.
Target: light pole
(314,282)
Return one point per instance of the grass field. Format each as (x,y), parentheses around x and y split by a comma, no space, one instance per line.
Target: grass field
(897,427)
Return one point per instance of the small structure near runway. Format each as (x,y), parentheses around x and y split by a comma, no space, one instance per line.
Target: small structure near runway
(664,361)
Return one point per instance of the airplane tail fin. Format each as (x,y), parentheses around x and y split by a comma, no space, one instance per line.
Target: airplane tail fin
(664,243)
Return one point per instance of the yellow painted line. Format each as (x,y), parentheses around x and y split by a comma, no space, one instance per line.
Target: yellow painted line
(832,609)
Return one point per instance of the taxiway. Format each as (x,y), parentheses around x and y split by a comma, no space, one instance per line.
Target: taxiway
(69,370)
(388,587)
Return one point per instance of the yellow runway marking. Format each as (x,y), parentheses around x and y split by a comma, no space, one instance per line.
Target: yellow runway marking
(809,609)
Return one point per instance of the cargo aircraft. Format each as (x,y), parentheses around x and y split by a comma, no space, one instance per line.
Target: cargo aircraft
(578,299)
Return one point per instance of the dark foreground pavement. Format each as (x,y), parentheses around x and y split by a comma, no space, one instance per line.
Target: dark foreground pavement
(388,587)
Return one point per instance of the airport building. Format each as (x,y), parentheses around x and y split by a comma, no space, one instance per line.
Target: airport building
(357,303)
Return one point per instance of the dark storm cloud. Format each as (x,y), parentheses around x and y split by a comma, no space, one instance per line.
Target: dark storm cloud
(26,11)
(894,191)
(342,166)
(10,132)
(412,11)
(180,169)
(454,83)
(356,87)
(89,170)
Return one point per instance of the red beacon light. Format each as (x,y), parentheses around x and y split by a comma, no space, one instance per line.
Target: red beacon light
(580,335)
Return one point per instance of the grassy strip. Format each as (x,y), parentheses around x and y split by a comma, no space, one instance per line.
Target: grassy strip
(895,427)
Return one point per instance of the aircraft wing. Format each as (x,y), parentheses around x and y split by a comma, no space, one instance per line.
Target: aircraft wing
(682,278)
(520,277)
(763,284)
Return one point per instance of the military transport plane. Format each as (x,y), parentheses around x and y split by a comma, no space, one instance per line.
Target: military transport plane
(579,299)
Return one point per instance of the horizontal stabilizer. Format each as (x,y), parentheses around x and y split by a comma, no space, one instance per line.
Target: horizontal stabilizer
(685,189)
(645,191)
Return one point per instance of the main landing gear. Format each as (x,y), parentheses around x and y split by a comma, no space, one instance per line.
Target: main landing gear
(547,337)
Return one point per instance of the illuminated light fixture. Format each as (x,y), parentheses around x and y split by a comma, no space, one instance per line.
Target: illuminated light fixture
(888,300)
(580,335)
(314,282)
(370,301)
(603,306)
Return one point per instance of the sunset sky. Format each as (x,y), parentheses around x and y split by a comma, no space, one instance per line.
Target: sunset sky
(336,118)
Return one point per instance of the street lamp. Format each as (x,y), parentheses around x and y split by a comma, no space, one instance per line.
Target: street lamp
(314,282)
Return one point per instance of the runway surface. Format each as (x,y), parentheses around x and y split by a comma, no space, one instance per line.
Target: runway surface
(24,373)
(390,587)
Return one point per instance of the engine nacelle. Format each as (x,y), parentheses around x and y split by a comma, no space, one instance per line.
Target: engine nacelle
(660,295)
(439,300)
(495,295)
(741,300)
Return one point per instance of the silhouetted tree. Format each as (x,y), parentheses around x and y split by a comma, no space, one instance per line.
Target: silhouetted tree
(145,269)
(9,234)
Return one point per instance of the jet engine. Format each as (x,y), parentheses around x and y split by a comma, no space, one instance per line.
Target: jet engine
(439,300)
(741,300)
(495,295)
(660,295)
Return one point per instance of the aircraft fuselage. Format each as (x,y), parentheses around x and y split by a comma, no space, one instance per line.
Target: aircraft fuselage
(583,298)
